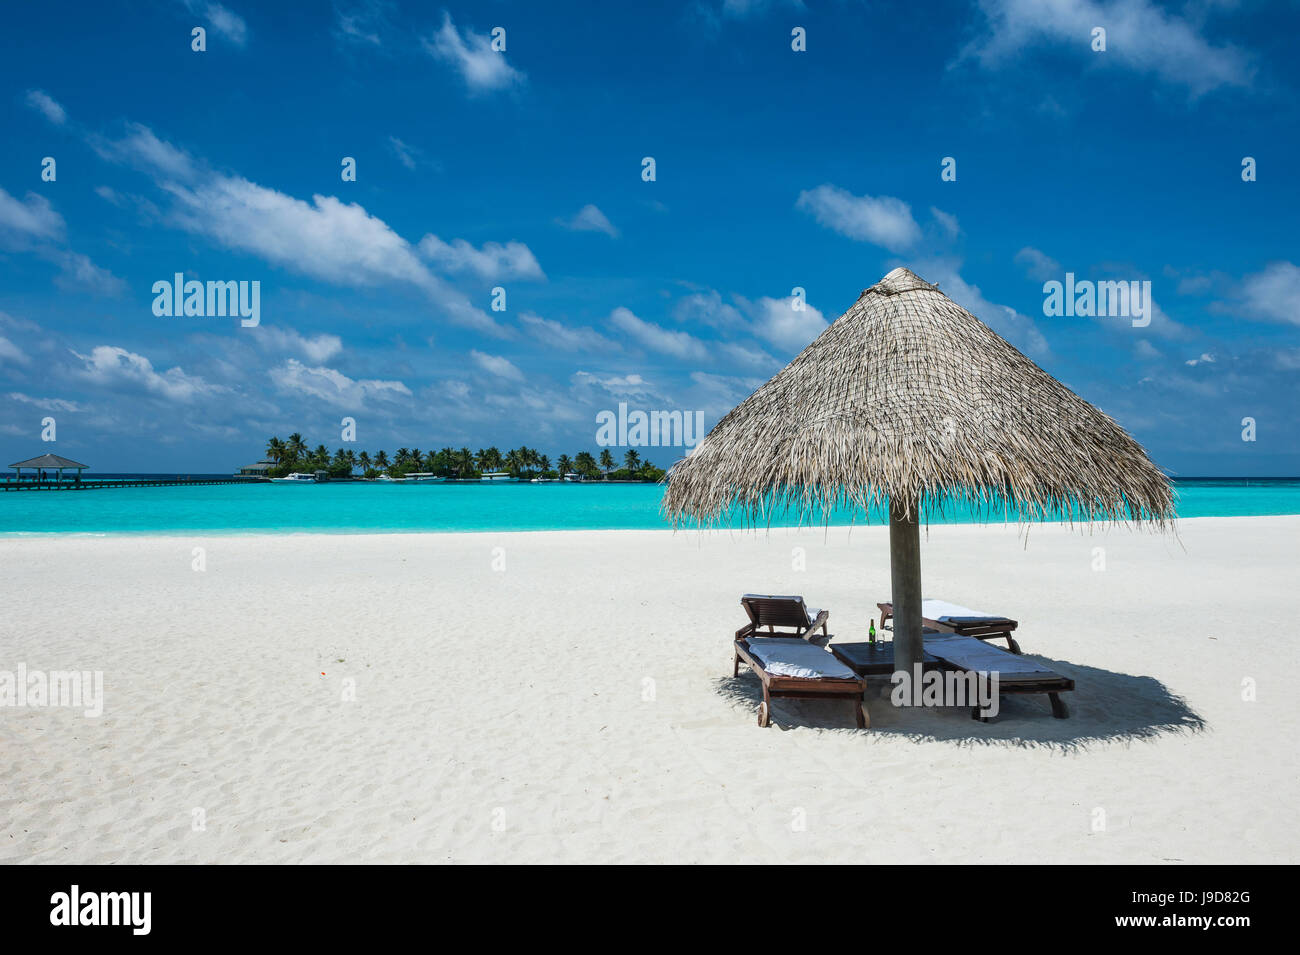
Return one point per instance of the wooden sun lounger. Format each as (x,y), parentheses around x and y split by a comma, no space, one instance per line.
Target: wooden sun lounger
(980,626)
(776,611)
(766,610)
(1015,673)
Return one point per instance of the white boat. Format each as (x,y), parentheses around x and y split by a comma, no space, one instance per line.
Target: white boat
(424,477)
(497,476)
(389,479)
(297,477)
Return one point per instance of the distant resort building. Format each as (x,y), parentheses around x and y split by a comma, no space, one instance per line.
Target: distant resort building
(45,463)
(260,469)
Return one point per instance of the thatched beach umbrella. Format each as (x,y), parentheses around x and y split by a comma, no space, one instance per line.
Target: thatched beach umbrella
(907,400)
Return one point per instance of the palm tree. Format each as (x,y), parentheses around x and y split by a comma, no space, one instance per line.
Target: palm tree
(464,461)
(295,447)
(363,460)
(381,460)
(565,464)
(543,463)
(415,458)
(632,460)
(526,455)
(514,461)
(606,462)
(274,450)
(445,462)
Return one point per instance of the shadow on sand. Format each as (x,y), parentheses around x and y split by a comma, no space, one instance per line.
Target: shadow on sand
(1104,707)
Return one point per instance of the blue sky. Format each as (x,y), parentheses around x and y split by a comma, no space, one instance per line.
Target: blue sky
(522,169)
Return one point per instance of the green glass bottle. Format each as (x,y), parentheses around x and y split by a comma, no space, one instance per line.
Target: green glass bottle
(871,634)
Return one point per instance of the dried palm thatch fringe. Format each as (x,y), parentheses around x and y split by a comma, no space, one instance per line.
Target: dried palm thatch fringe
(908,397)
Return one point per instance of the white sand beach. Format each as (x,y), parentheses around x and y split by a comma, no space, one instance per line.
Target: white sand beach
(578,705)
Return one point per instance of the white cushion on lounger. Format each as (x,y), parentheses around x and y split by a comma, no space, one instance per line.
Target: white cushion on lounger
(942,610)
(812,612)
(972,654)
(791,656)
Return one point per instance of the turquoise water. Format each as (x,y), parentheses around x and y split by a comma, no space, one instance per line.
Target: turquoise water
(376,508)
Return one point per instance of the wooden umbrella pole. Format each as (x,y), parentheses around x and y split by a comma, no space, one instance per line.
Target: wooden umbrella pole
(905,579)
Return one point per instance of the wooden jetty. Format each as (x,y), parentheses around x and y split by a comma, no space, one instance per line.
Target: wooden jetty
(8,485)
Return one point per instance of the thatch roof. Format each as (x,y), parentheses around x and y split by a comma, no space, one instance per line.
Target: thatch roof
(909,397)
(49,461)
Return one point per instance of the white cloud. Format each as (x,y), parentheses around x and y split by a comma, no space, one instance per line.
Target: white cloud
(225,21)
(496,365)
(1140,36)
(620,386)
(405,153)
(1038,265)
(316,349)
(31,219)
(1273,294)
(33,225)
(555,334)
(144,150)
(44,103)
(727,391)
(884,220)
(46,404)
(482,68)
(947,222)
(590,219)
(708,308)
(652,336)
(720,10)
(367,21)
(1205,359)
(78,272)
(776,320)
(12,353)
(334,387)
(513,260)
(326,238)
(109,366)
(746,355)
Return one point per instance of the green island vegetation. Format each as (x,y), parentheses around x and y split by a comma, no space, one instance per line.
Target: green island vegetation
(523,463)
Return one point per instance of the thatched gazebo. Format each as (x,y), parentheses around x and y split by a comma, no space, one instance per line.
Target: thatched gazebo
(906,401)
(48,462)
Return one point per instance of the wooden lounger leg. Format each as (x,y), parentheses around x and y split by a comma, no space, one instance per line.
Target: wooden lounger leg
(765,710)
(860,712)
(1059,709)
(735,663)
(1011,642)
